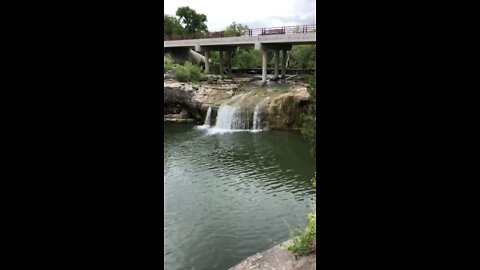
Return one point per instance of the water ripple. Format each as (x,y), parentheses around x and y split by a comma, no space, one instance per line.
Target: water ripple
(232,195)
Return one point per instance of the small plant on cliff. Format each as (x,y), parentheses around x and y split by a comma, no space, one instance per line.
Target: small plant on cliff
(305,243)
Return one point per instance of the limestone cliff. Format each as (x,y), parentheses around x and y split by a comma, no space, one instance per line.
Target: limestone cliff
(187,102)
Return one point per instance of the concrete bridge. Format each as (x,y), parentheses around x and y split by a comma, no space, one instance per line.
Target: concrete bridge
(278,39)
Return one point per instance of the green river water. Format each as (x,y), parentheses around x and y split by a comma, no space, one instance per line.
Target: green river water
(228,196)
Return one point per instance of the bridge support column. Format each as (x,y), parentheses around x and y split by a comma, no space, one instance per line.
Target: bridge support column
(207,64)
(229,61)
(220,56)
(277,60)
(284,63)
(264,67)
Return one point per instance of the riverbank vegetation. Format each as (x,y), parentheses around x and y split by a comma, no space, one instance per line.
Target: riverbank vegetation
(184,73)
(306,241)
(189,73)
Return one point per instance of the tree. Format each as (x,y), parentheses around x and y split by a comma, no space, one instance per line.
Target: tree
(303,57)
(192,21)
(247,58)
(172,26)
(233,28)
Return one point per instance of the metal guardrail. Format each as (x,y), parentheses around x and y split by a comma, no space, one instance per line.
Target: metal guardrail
(283,30)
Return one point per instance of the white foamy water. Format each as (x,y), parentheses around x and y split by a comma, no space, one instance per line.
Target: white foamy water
(226,117)
(215,131)
(207,119)
(256,118)
(206,125)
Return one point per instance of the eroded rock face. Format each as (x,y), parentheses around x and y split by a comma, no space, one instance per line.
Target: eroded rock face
(192,101)
(178,98)
(179,118)
(284,111)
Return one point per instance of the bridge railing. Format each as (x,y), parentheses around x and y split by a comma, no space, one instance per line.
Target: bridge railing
(282,30)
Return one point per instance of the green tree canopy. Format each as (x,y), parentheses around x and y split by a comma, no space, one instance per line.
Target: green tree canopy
(172,26)
(303,57)
(247,58)
(193,22)
(233,28)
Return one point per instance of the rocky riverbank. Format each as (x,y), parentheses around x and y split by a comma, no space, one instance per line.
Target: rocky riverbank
(279,258)
(189,102)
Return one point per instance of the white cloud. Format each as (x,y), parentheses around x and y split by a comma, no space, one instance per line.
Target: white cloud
(254,13)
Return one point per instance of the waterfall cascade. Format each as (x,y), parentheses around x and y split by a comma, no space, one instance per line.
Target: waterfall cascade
(256,118)
(207,119)
(244,112)
(236,115)
(206,125)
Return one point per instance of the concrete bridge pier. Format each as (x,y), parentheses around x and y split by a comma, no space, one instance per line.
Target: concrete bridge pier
(221,63)
(264,67)
(284,64)
(229,61)
(224,55)
(276,47)
(277,61)
(207,64)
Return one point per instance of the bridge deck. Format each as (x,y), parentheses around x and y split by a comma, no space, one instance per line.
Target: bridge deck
(293,39)
(253,37)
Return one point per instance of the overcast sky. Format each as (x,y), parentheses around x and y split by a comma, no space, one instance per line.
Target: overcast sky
(254,13)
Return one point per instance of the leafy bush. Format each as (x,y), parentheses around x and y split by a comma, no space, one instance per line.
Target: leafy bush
(247,58)
(189,73)
(167,65)
(195,72)
(303,57)
(306,242)
(182,74)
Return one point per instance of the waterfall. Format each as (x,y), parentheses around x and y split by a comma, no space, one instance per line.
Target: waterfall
(233,118)
(207,119)
(206,125)
(256,117)
(226,117)
(237,117)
